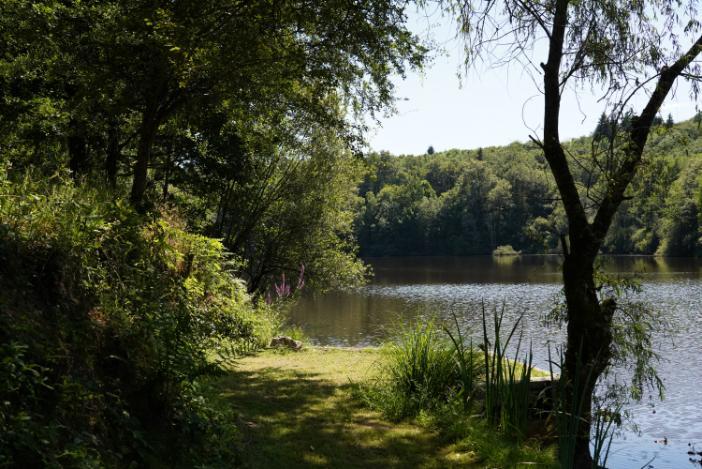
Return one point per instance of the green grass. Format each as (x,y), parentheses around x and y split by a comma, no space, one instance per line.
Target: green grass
(302,410)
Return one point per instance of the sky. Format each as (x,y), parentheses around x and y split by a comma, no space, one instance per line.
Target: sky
(488,106)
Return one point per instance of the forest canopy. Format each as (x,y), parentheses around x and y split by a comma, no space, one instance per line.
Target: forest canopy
(164,168)
(466,202)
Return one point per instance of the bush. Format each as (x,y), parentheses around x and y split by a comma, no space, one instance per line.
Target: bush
(435,370)
(421,371)
(506,250)
(108,318)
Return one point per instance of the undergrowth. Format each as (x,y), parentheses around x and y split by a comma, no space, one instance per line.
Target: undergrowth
(108,320)
(476,397)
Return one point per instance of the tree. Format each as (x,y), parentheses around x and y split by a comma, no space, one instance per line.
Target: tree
(143,63)
(603,129)
(193,95)
(430,150)
(679,227)
(669,122)
(620,45)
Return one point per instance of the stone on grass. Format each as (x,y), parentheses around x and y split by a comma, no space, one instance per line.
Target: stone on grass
(284,341)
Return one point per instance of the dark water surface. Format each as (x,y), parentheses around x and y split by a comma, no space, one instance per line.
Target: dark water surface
(406,289)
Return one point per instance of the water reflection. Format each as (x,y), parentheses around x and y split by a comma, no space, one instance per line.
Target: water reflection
(406,289)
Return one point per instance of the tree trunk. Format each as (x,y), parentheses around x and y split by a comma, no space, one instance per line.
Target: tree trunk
(77,151)
(167,165)
(147,134)
(588,346)
(113,154)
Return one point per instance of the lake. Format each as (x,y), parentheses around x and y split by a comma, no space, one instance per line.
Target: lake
(415,289)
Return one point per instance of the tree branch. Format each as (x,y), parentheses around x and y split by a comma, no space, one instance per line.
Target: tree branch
(553,150)
(637,140)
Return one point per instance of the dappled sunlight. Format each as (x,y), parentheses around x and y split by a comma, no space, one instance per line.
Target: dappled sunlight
(298,410)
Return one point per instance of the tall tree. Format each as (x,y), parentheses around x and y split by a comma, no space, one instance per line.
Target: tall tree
(669,122)
(139,63)
(627,48)
(281,57)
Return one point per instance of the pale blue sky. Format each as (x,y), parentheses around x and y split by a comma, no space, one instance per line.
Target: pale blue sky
(493,106)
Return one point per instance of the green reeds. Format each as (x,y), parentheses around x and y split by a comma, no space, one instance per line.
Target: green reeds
(506,381)
(420,371)
(604,425)
(426,369)
(467,364)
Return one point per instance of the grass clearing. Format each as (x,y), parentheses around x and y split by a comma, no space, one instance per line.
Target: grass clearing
(300,410)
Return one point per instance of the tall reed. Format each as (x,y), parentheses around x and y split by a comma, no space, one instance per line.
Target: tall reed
(425,369)
(506,381)
(420,371)
(467,363)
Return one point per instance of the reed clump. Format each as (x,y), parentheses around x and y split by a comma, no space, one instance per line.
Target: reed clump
(433,367)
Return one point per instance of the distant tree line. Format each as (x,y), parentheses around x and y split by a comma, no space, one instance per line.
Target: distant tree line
(465,202)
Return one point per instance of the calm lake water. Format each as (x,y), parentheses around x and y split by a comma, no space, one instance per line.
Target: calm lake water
(407,289)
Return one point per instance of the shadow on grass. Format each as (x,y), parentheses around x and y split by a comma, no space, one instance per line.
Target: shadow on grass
(289,418)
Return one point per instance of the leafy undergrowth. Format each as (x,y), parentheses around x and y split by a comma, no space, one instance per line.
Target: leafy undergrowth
(303,410)
(108,320)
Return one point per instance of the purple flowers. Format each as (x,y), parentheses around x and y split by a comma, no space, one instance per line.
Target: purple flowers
(284,290)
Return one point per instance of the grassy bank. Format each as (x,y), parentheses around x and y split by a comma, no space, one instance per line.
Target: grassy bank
(303,410)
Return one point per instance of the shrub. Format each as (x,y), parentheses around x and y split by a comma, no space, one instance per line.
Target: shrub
(422,370)
(506,250)
(107,320)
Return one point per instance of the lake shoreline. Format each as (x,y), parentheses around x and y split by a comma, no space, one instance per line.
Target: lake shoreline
(313,416)
(406,290)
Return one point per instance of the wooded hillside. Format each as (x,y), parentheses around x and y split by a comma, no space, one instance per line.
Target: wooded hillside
(463,202)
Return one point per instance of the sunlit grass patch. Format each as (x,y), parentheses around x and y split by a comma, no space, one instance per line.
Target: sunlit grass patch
(301,409)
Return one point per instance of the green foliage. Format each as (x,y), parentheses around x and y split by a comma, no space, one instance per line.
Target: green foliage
(211,107)
(453,202)
(290,208)
(232,119)
(467,364)
(680,227)
(505,197)
(634,324)
(505,250)
(419,373)
(424,372)
(506,383)
(108,321)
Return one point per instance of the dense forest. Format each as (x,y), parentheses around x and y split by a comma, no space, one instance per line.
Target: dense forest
(170,174)
(465,202)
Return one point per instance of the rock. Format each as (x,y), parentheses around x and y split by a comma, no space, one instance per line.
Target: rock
(283,341)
